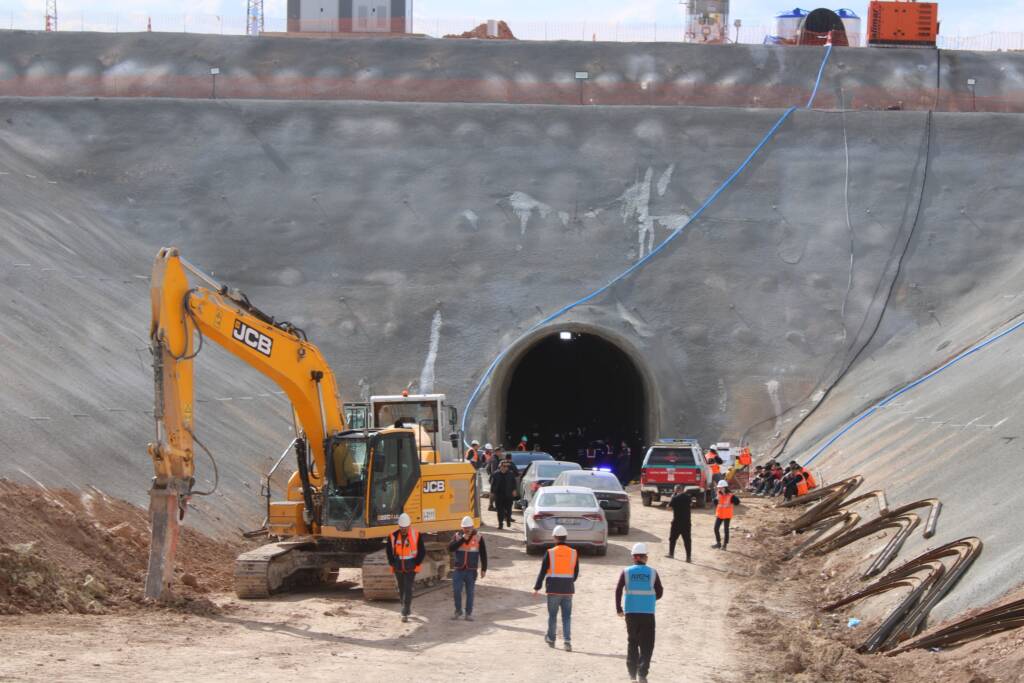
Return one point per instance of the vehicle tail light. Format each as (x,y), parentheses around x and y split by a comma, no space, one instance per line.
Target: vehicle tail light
(594,516)
(620,496)
(534,486)
(542,515)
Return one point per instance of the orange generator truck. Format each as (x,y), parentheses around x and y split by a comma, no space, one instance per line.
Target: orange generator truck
(902,24)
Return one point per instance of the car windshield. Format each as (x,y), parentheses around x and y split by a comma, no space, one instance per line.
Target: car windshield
(566,499)
(523,458)
(422,413)
(550,470)
(671,456)
(598,482)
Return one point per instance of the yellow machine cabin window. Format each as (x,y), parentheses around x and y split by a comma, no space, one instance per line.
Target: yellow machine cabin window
(346,486)
(396,469)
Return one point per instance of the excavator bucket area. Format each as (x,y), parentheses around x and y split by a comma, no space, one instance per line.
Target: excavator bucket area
(164,513)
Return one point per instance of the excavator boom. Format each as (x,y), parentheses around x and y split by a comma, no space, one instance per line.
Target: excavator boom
(182,317)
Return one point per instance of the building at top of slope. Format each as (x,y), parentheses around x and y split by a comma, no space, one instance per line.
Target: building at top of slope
(571,73)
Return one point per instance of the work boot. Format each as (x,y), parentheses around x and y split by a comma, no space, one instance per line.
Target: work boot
(551,643)
(469,617)
(671,557)
(725,546)
(717,546)
(568,647)
(689,561)
(642,679)
(457,615)
(405,618)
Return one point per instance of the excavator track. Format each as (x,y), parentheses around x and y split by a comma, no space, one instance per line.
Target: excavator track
(379,582)
(267,569)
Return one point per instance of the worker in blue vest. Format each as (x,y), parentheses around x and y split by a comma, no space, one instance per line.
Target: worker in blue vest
(642,588)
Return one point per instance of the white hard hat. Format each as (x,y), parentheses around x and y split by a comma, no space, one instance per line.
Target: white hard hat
(474,442)
(559,532)
(467,521)
(639,549)
(404,521)
(488,447)
(722,483)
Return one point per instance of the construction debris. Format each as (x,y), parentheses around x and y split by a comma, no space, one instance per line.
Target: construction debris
(503,32)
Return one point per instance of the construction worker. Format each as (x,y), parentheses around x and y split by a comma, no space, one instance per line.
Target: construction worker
(624,463)
(504,491)
(470,553)
(522,444)
(642,588)
(473,453)
(744,460)
(405,555)
(680,504)
(723,513)
(558,572)
(715,463)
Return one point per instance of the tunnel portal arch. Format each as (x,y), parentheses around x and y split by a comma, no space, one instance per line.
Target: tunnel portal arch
(596,380)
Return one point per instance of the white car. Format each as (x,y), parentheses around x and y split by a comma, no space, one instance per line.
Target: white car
(574,507)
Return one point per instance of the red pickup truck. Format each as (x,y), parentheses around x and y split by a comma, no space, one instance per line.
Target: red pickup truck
(671,462)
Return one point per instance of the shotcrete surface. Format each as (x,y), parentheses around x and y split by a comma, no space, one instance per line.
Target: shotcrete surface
(364,222)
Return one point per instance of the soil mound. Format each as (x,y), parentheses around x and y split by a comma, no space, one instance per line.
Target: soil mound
(504,33)
(85,552)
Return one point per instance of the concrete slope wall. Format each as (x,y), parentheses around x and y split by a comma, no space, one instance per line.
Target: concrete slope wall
(421,69)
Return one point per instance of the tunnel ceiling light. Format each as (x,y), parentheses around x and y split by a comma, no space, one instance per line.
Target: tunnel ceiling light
(565,336)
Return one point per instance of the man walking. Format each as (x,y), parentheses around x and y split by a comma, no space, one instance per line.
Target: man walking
(405,555)
(504,489)
(473,453)
(470,552)
(642,588)
(558,572)
(723,513)
(680,504)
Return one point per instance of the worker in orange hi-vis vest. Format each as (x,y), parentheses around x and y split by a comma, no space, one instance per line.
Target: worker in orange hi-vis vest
(723,514)
(743,462)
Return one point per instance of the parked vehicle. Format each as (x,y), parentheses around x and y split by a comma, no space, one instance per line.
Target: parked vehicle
(724,449)
(538,474)
(612,498)
(670,462)
(522,459)
(574,507)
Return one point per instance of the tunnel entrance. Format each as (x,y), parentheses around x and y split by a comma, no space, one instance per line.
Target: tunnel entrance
(571,392)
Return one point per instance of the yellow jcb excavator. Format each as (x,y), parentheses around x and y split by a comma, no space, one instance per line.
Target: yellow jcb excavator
(350,485)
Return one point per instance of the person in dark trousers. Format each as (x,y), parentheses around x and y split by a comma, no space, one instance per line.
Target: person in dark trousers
(406,551)
(624,463)
(504,490)
(470,552)
(723,513)
(680,504)
(642,588)
(558,573)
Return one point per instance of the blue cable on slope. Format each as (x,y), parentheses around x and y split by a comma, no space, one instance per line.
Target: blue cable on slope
(654,252)
(821,72)
(917,382)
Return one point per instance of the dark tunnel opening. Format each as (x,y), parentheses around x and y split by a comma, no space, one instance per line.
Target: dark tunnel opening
(572,396)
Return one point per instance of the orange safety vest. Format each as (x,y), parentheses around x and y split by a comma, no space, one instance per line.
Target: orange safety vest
(472,455)
(745,458)
(561,569)
(467,555)
(809,478)
(801,487)
(405,549)
(716,468)
(724,509)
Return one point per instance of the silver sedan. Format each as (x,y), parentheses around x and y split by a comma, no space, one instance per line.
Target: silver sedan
(574,507)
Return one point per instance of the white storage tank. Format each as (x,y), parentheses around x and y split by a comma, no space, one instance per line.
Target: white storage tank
(787,23)
(851,22)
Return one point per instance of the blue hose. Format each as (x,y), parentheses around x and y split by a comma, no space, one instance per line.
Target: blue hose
(917,382)
(654,252)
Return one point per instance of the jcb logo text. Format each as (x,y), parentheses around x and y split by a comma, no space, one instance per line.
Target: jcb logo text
(436,486)
(252,338)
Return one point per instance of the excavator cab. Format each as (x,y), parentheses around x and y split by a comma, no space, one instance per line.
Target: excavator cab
(380,467)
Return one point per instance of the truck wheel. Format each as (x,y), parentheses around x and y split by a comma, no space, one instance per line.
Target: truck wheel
(533,549)
(624,528)
(702,500)
(601,551)
(646,499)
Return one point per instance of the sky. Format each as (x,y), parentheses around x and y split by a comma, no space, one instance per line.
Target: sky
(958,17)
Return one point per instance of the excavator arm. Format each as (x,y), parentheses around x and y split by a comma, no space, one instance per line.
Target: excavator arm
(183,319)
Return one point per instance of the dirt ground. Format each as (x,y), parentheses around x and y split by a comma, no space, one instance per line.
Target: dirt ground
(730,616)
